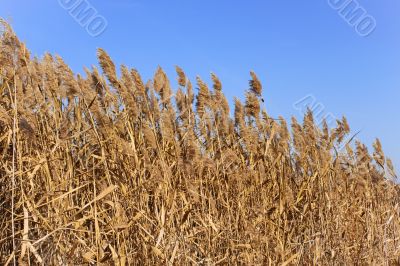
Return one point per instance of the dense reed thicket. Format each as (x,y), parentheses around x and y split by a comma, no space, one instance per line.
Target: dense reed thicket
(108,169)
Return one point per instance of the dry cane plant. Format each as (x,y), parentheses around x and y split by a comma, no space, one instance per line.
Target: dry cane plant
(110,170)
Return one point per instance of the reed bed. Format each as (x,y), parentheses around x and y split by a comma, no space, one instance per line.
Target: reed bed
(108,169)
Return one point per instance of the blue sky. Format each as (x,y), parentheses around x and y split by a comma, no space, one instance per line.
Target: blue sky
(297,48)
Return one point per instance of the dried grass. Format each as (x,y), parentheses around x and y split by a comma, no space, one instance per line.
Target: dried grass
(122,173)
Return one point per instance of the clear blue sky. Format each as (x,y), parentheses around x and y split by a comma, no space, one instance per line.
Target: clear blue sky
(296,48)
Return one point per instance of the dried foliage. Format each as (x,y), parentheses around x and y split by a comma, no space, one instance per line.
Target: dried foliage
(122,172)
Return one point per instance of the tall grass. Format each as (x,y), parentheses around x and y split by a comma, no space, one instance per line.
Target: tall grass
(109,169)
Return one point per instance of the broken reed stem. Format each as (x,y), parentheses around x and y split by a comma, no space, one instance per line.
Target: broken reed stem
(14,151)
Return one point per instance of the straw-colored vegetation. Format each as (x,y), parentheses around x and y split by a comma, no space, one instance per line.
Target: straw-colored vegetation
(108,169)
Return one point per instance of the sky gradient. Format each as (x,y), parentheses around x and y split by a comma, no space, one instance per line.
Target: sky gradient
(297,48)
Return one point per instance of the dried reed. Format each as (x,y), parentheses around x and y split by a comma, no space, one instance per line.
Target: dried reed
(121,172)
